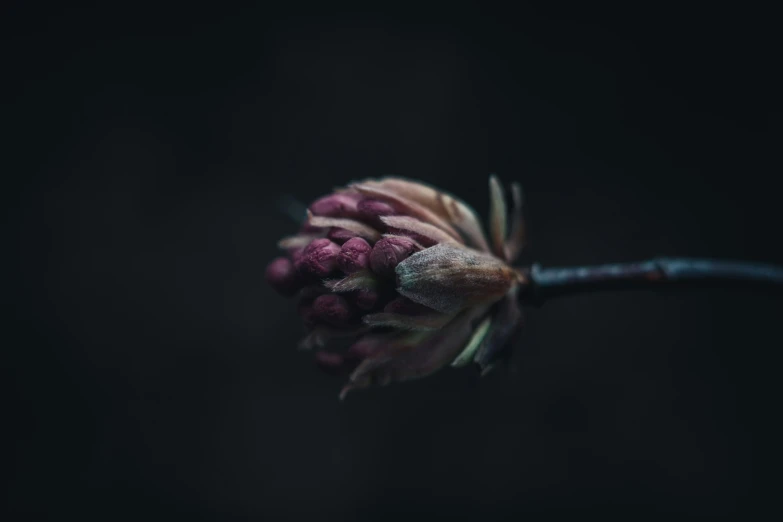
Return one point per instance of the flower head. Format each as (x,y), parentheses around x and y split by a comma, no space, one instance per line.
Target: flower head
(405,273)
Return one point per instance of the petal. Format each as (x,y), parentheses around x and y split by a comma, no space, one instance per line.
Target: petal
(452,209)
(359,228)
(418,227)
(406,206)
(476,340)
(506,322)
(433,321)
(297,241)
(363,280)
(516,239)
(418,357)
(497,217)
(448,278)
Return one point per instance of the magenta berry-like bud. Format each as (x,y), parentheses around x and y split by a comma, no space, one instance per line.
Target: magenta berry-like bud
(329,362)
(371,210)
(388,253)
(336,205)
(319,258)
(332,309)
(281,275)
(340,235)
(354,255)
(366,299)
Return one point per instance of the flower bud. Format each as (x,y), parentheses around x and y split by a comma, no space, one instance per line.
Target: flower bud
(366,299)
(389,252)
(319,258)
(332,309)
(371,210)
(336,205)
(354,255)
(340,235)
(281,275)
(329,362)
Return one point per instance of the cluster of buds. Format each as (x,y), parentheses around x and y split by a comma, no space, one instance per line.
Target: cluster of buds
(405,274)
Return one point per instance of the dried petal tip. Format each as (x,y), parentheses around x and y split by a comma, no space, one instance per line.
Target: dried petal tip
(389,252)
(319,258)
(354,255)
(281,275)
(332,309)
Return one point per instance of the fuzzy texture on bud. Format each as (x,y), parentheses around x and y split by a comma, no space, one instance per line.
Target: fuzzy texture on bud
(406,271)
(354,255)
(389,252)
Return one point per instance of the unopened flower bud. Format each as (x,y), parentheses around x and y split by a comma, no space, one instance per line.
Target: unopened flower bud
(389,252)
(340,235)
(354,255)
(281,275)
(405,271)
(319,258)
(371,210)
(332,309)
(329,362)
(336,205)
(366,299)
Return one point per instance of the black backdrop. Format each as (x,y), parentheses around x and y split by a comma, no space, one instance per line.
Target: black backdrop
(154,375)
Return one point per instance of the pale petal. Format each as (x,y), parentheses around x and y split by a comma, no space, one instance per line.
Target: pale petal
(417,359)
(297,241)
(406,206)
(359,228)
(516,239)
(446,205)
(448,278)
(421,228)
(497,217)
(363,280)
(476,340)
(506,322)
(433,321)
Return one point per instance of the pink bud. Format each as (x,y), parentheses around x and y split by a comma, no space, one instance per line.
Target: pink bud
(296,255)
(388,253)
(336,205)
(371,210)
(340,235)
(319,258)
(332,309)
(329,362)
(354,255)
(366,299)
(281,275)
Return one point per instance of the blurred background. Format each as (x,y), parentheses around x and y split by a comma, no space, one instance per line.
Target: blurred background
(153,374)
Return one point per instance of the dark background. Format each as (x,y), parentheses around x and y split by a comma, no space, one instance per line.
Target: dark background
(153,374)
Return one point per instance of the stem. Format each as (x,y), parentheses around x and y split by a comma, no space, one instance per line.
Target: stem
(546,283)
